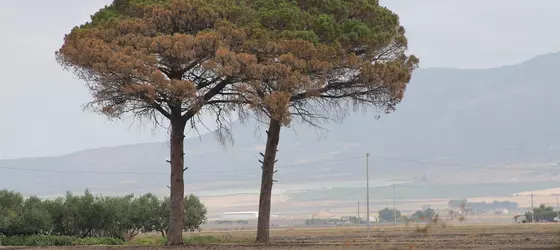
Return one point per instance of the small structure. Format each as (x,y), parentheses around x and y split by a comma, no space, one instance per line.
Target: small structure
(520,218)
(324,215)
(501,211)
(374,219)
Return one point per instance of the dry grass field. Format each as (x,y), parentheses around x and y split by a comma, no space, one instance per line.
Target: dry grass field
(514,236)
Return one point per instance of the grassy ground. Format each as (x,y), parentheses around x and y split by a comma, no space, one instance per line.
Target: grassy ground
(518,236)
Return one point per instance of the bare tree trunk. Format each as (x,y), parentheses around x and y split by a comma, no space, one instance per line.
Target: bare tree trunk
(175,233)
(273,137)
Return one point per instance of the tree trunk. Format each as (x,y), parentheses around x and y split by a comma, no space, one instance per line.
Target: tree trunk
(273,137)
(175,233)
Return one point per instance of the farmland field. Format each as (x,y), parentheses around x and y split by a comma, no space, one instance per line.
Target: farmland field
(422,191)
(514,236)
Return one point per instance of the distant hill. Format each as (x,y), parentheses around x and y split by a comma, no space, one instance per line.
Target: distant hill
(460,121)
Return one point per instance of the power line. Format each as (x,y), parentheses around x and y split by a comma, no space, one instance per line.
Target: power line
(163,173)
(79,171)
(290,166)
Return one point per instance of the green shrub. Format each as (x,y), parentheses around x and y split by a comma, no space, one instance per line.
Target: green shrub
(73,215)
(202,240)
(37,241)
(188,240)
(52,240)
(152,240)
(105,241)
(148,241)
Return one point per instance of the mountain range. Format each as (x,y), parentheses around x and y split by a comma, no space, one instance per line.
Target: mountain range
(498,125)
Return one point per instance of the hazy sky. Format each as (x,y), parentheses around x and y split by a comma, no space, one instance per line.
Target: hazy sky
(41,105)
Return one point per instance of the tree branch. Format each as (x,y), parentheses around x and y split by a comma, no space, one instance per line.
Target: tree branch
(211,93)
(330,86)
(161,110)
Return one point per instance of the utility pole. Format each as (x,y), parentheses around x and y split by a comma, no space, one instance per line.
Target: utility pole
(359,218)
(394,206)
(367,194)
(532,210)
(558,207)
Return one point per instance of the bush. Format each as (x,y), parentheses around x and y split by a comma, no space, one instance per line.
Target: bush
(51,240)
(189,240)
(148,241)
(105,241)
(202,240)
(37,241)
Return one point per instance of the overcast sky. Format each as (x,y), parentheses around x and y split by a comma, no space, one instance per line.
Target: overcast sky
(41,104)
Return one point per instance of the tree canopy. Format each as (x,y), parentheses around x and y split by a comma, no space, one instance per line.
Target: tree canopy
(172,57)
(388,215)
(423,215)
(542,213)
(325,54)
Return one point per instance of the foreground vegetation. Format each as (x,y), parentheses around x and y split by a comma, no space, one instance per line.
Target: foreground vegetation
(89,216)
(52,240)
(144,240)
(416,236)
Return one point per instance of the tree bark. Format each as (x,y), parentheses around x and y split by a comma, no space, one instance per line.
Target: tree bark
(175,233)
(273,138)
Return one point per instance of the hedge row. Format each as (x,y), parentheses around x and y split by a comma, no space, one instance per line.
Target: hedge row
(87,215)
(51,240)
